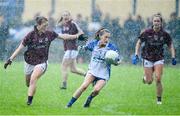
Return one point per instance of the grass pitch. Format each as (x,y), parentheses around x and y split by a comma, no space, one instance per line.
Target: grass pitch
(124,93)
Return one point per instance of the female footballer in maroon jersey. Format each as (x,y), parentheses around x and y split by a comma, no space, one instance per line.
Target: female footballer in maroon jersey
(152,53)
(36,55)
(70,48)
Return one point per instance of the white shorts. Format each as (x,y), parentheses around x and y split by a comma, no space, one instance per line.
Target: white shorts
(28,68)
(149,64)
(70,54)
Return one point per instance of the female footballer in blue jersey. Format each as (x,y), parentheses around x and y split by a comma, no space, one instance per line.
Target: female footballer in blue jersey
(99,69)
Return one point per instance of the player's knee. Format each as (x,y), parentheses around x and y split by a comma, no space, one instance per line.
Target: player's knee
(149,79)
(83,88)
(158,80)
(64,72)
(96,91)
(32,82)
(149,82)
(64,69)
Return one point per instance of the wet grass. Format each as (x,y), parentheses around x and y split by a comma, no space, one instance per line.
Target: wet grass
(124,93)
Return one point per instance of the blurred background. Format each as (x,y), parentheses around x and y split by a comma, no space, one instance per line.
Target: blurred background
(124,18)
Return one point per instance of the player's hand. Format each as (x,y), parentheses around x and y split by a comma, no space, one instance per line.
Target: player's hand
(8,62)
(135,59)
(117,61)
(173,61)
(83,37)
(79,33)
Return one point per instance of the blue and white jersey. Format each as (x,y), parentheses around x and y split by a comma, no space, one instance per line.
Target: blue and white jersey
(98,66)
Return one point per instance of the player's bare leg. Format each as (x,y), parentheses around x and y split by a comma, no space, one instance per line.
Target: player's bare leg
(158,73)
(97,88)
(32,87)
(28,77)
(88,80)
(76,70)
(148,75)
(64,71)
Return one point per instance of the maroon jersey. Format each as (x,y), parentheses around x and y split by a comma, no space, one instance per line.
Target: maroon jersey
(37,46)
(70,28)
(152,49)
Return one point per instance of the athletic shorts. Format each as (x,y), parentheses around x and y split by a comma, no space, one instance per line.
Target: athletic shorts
(96,78)
(28,68)
(70,54)
(149,64)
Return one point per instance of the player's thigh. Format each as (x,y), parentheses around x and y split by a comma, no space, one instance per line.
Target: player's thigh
(158,69)
(74,55)
(66,62)
(148,69)
(148,72)
(38,71)
(68,57)
(73,65)
(65,65)
(88,80)
(99,85)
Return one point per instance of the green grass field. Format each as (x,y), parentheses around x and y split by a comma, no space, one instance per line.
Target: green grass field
(124,94)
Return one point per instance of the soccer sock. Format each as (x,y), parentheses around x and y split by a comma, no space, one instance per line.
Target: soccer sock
(158,98)
(71,101)
(90,97)
(88,100)
(30,98)
(64,84)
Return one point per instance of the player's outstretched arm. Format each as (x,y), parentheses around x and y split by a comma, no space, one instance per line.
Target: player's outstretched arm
(69,37)
(9,61)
